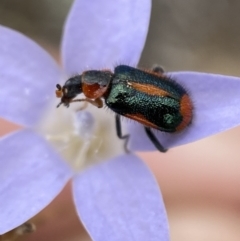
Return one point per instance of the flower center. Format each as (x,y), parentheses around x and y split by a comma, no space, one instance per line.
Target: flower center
(82,137)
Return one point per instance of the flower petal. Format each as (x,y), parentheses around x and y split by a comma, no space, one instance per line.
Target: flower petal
(216,100)
(120,200)
(32,174)
(103,33)
(27,78)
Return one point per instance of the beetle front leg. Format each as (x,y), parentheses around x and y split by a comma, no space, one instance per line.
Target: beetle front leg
(119,133)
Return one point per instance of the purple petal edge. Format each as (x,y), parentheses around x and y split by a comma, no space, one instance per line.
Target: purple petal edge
(32,175)
(28,74)
(120,200)
(102,33)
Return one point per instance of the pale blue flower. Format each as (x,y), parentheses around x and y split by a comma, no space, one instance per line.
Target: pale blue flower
(118,199)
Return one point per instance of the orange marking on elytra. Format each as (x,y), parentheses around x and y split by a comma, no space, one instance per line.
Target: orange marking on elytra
(150,89)
(186,110)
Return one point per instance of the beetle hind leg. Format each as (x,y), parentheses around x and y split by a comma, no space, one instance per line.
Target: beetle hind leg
(149,133)
(154,140)
(158,69)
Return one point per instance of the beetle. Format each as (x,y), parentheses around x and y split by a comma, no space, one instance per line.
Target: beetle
(146,96)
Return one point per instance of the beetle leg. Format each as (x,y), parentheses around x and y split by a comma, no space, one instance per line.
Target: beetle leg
(154,140)
(97,102)
(158,69)
(119,133)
